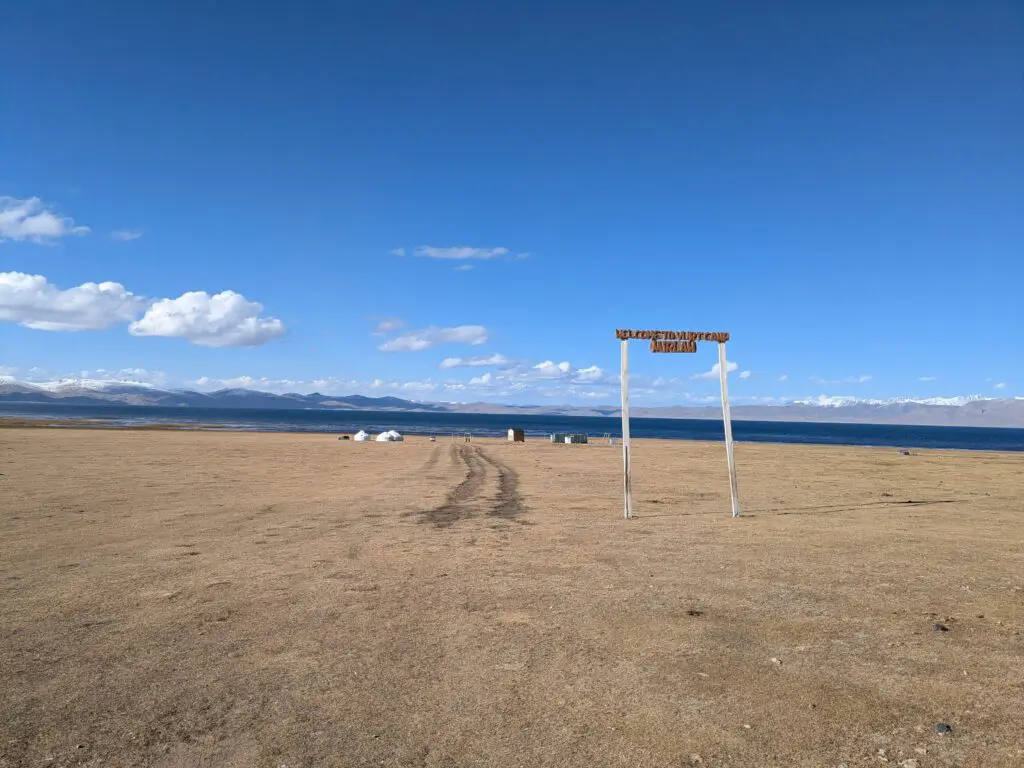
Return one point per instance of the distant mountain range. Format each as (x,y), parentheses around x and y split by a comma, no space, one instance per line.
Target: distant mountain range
(91,392)
(955,411)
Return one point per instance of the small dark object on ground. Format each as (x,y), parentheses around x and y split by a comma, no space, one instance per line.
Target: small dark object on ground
(344,437)
(904,452)
(940,628)
(943,728)
(694,612)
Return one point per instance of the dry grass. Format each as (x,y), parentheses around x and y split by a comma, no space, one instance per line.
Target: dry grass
(180,599)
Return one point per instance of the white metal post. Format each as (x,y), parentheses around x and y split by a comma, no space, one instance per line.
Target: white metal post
(626,469)
(727,421)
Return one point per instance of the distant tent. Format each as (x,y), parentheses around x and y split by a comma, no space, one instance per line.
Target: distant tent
(361,436)
(391,436)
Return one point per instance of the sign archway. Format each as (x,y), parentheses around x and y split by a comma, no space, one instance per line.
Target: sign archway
(674,342)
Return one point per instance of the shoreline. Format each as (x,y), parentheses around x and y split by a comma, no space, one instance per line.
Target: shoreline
(84,424)
(21,422)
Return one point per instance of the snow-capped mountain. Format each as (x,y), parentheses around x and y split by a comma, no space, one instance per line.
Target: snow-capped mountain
(838,401)
(84,385)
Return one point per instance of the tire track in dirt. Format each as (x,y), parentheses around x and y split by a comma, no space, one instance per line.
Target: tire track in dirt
(431,461)
(509,504)
(458,504)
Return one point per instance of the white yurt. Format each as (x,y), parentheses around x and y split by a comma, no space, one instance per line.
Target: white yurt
(391,436)
(361,436)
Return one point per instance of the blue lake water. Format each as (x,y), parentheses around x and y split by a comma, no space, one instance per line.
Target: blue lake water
(963,438)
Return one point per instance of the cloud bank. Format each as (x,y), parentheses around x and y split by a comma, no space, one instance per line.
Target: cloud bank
(226,319)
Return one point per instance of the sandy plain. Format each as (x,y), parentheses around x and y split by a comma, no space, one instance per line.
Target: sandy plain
(230,599)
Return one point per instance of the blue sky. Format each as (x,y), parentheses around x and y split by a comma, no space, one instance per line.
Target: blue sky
(202,194)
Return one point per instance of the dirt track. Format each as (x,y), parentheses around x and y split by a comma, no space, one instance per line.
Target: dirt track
(467,498)
(180,599)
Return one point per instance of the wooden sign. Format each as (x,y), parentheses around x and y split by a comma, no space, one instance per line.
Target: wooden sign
(719,336)
(673,346)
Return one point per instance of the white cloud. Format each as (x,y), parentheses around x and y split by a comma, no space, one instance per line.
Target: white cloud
(32,220)
(387,325)
(125,235)
(460,252)
(330,386)
(463,268)
(426,338)
(473,362)
(397,252)
(263,383)
(546,382)
(123,375)
(927,378)
(278,386)
(714,372)
(404,386)
(589,375)
(784,377)
(491,385)
(226,319)
(846,380)
(1000,385)
(519,376)
(551,370)
(32,301)
(745,375)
